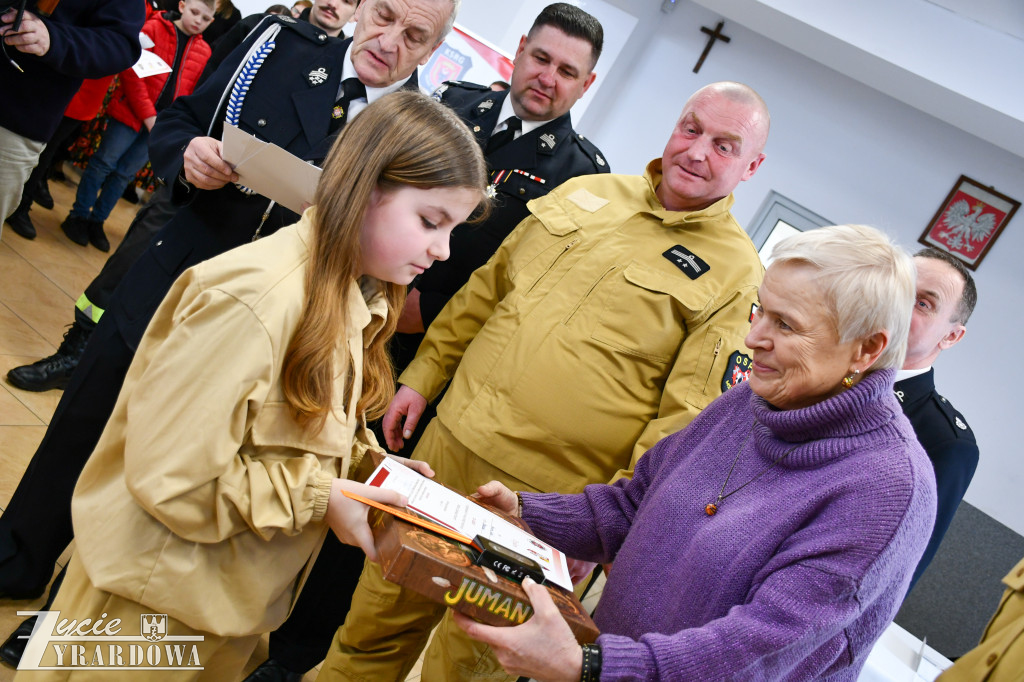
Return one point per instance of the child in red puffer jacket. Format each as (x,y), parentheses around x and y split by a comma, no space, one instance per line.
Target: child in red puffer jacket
(133,108)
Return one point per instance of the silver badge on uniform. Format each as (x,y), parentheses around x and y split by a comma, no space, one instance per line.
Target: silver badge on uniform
(317,76)
(439,91)
(548,140)
(485,105)
(960,424)
(600,161)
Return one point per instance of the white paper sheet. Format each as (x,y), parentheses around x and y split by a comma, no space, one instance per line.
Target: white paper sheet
(270,170)
(452,510)
(150,65)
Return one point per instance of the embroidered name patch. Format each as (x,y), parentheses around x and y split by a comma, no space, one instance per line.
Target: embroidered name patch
(684,259)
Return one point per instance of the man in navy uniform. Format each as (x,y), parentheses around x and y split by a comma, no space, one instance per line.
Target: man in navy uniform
(554,66)
(946,296)
(288,83)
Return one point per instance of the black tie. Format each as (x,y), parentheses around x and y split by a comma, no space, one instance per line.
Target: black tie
(351,89)
(499,140)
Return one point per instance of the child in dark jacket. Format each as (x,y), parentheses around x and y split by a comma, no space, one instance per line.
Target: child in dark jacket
(132,110)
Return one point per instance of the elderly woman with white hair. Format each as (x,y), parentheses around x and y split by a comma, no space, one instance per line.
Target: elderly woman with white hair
(775,536)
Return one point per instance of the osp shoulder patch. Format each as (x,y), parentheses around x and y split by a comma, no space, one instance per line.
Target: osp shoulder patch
(737,370)
(684,259)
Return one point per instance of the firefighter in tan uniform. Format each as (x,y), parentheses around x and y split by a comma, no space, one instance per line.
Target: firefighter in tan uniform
(607,320)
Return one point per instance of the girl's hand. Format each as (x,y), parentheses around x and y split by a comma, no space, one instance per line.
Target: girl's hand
(347,517)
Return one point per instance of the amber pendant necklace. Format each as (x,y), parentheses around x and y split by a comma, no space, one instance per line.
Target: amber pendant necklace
(712,507)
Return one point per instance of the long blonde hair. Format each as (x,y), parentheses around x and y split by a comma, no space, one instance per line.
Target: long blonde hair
(404,139)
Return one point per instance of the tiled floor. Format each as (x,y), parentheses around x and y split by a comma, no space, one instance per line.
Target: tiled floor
(39,283)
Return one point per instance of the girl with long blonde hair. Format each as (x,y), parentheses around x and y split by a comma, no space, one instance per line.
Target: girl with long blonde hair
(227,456)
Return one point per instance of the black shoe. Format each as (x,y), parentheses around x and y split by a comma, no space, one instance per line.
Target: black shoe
(54,371)
(77,229)
(130,195)
(22,224)
(273,671)
(97,236)
(41,194)
(12,650)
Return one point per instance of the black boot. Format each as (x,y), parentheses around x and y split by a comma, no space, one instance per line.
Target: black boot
(77,229)
(273,671)
(41,194)
(130,195)
(54,371)
(22,223)
(12,650)
(97,236)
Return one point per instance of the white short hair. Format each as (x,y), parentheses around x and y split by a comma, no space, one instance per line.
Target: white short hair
(456,5)
(869,281)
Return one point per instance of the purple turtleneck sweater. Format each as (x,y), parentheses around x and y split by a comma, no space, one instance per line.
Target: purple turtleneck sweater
(796,575)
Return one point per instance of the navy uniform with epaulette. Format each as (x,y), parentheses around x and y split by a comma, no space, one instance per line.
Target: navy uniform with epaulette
(528,167)
(289,102)
(950,445)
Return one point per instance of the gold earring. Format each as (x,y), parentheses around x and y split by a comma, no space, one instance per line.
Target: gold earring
(848,380)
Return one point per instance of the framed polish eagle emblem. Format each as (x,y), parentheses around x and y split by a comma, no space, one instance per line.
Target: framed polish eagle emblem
(969,220)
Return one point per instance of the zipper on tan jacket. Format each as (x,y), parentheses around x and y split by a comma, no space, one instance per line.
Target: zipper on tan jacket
(714,358)
(553,263)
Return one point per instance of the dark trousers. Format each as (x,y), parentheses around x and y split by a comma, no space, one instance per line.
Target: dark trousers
(156,213)
(67,131)
(36,526)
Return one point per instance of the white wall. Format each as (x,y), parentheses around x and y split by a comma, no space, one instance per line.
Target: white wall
(851,154)
(247,7)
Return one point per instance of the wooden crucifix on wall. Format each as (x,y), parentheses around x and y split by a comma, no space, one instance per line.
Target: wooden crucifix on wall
(713,35)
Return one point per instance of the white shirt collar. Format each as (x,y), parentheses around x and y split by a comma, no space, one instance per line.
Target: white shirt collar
(507,111)
(902,374)
(348,70)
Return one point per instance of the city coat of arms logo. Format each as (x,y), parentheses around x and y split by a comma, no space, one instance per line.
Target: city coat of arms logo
(154,626)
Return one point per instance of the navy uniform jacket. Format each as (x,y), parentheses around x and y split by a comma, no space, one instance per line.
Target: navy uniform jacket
(553,153)
(950,444)
(284,105)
